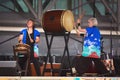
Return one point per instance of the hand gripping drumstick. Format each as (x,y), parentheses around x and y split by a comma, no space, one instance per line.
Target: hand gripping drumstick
(80,17)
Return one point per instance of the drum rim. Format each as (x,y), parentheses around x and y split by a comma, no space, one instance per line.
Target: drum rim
(23,45)
(62,22)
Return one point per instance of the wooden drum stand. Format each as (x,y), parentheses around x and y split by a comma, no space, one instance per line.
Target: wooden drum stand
(24,50)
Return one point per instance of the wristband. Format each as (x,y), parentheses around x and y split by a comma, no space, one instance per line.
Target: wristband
(33,41)
(78,24)
(19,41)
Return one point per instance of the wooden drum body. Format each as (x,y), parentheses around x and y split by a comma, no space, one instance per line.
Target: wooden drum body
(58,21)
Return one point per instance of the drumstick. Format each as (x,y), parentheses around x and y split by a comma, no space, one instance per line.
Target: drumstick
(29,35)
(80,17)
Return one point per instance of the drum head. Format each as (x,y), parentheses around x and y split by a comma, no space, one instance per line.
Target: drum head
(67,20)
(22,46)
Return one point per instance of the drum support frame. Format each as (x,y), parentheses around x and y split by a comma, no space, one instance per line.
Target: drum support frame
(49,44)
(20,71)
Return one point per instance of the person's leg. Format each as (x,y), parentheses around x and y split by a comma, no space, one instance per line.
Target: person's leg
(100,67)
(82,64)
(37,66)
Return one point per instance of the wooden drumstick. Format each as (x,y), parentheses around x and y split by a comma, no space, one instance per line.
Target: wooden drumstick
(29,36)
(80,17)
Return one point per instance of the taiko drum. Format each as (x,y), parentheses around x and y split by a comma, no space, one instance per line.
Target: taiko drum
(58,21)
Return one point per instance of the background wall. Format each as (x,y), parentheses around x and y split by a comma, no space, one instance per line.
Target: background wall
(57,46)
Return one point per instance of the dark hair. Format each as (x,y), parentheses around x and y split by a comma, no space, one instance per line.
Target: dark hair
(31,20)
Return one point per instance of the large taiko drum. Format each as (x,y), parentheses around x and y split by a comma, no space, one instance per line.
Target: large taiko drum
(58,21)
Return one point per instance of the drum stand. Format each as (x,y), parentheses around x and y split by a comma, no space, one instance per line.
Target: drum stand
(16,52)
(49,43)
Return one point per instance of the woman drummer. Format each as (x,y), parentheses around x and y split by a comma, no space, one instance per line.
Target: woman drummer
(31,36)
(91,48)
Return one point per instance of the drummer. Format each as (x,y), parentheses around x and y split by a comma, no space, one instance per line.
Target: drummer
(91,48)
(31,36)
